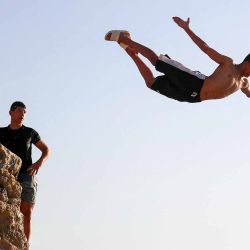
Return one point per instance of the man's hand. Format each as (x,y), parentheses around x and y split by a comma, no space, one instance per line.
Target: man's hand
(245,87)
(183,24)
(33,169)
(245,83)
(213,54)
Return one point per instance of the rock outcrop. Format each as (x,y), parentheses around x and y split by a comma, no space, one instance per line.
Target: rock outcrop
(12,235)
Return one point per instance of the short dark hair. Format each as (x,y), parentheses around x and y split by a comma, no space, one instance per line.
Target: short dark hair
(247,58)
(16,104)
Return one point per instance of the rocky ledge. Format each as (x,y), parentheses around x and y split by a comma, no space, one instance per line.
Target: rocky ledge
(12,235)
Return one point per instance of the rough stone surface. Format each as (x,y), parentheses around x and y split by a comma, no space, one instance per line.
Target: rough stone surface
(12,235)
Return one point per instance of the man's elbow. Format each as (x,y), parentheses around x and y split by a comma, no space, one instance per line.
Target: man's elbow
(46,152)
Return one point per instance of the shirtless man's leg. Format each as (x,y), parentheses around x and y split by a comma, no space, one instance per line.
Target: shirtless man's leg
(137,47)
(142,67)
(133,48)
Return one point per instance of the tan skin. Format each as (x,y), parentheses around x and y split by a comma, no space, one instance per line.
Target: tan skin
(225,80)
(17,118)
(227,77)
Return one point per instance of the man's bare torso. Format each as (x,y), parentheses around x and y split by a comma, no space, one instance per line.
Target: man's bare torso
(224,81)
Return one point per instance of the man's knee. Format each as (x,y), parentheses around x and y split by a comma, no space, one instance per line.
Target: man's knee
(149,82)
(153,58)
(26,209)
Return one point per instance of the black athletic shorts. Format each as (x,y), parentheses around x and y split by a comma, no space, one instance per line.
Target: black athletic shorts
(178,82)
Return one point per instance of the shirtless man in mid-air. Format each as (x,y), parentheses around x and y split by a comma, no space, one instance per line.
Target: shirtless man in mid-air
(181,83)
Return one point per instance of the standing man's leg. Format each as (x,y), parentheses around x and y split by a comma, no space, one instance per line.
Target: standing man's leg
(26,209)
(28,197)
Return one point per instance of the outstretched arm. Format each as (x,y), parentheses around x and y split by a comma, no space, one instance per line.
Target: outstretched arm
(213,54)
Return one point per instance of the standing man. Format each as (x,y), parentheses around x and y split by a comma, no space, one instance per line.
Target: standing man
(19,139)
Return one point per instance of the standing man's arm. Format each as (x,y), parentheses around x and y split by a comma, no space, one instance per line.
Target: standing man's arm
(213,54)
(33,169)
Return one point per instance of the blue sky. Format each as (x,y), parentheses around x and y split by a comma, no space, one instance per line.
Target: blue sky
(129,169)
